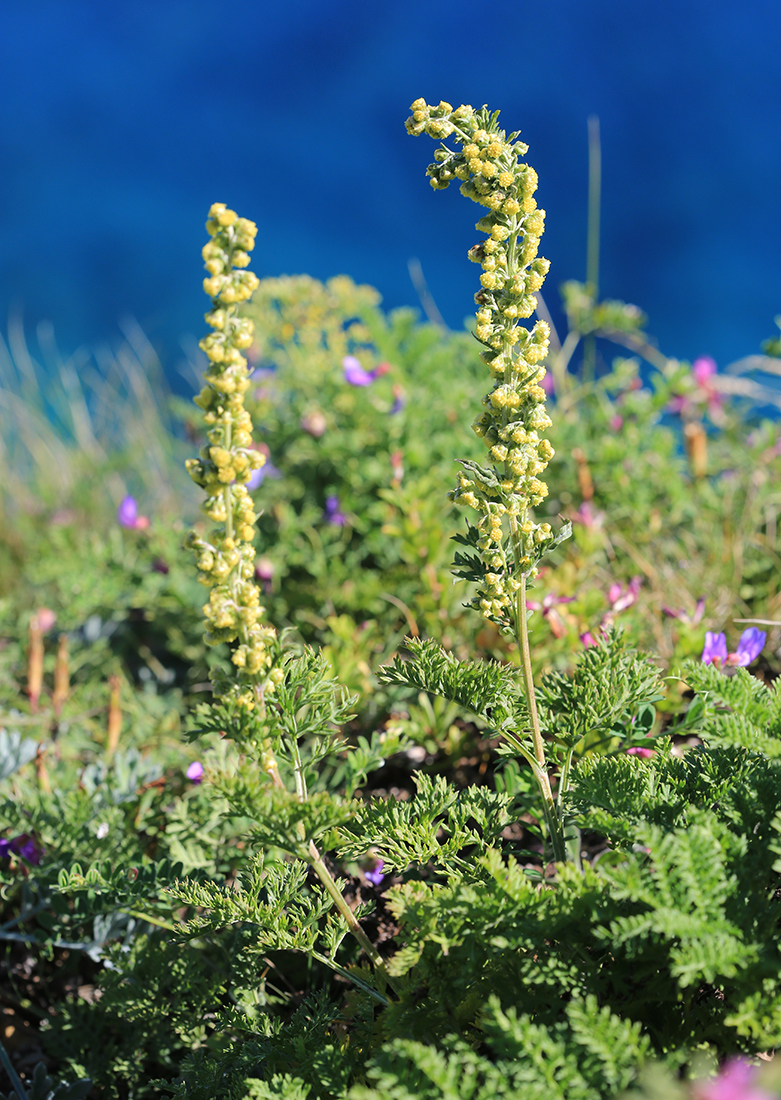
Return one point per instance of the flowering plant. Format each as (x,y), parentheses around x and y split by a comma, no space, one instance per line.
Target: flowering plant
(579,900)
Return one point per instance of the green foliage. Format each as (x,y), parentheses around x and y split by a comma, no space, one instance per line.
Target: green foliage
(610,688)
(440,826)
(486,688)
(43,1087)
(590,1054)
(15,752)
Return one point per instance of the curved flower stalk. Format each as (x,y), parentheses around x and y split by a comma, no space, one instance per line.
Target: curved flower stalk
(508,541)
(226,558)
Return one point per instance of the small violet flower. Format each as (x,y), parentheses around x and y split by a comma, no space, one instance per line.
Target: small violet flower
(715,648)
(24,845)
(195,772)
(357,376)
(332,513)
(751,644)
(257,477)
(127,515)
(375,874)
(637,750)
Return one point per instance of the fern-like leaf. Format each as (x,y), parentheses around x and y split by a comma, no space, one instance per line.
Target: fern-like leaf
(487,688)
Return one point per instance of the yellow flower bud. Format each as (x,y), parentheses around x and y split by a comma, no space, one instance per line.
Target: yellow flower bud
(226,218)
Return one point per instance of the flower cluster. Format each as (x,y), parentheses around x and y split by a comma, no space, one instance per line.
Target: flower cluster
(752,642)
(491,173)
(226,558)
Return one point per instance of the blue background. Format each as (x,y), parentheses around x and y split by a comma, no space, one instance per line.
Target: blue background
(122,123)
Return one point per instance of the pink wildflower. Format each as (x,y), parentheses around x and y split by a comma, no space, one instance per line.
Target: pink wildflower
(549,612)
(195,772)
(735,1082)
(690,620)
(357,376)
(621,598)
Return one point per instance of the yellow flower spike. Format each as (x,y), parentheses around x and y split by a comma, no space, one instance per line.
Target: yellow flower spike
(233,611)
(492,174)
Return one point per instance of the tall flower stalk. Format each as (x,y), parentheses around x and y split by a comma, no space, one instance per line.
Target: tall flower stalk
(508,540)
(226,556)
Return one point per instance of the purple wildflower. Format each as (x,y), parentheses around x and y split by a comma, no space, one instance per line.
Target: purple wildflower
(715,648)
(127,515)
(588,639)
(332,513)
(638,750)
(752,642)
(735,1082)
(357,376)
(375,874)
(750,646)
(24,845)
(257,477)
(195,772)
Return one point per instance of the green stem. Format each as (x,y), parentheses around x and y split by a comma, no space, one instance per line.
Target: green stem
(592,238)
(594,203)
(539,763)
(560,362)
(298,770)
(351,977)
(528,676)
(227,495)
(152,920)
(563,783)
(322,872)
